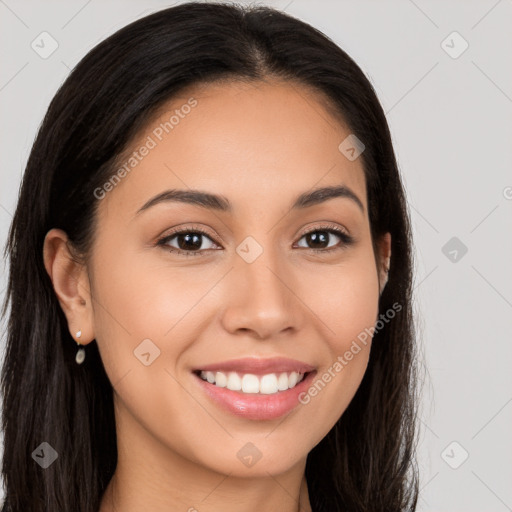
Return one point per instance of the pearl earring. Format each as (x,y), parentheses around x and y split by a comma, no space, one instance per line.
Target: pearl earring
(80,355)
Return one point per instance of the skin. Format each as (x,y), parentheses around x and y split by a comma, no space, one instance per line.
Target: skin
(259,145)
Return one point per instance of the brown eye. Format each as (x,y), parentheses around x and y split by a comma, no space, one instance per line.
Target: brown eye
(319,239)
(189,242)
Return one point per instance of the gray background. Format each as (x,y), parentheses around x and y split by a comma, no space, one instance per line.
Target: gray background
(451,124)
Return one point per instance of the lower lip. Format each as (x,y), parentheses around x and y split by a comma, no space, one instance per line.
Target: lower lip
(256,406)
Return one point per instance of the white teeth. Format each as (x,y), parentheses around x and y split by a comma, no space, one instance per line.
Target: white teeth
(268,384)
(234,382)
(282,382)
(221,380)
(249,383)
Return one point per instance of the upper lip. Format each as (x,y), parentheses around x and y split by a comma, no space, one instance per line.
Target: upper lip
(258,365)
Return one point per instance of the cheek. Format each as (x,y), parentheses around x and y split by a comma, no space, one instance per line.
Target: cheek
(142,329)
(142,297)
(125,314)
(345,299)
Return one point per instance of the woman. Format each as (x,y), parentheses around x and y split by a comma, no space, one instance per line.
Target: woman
(274,369)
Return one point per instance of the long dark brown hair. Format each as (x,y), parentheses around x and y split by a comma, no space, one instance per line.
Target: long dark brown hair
(367,461)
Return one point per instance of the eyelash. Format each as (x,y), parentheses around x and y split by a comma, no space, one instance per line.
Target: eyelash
(346,240)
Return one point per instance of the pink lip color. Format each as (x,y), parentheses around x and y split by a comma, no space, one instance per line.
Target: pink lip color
(259,366)
(255,406)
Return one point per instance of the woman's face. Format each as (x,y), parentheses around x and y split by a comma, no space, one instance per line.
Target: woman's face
(254,286)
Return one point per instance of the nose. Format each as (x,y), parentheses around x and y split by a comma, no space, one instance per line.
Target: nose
(263,298)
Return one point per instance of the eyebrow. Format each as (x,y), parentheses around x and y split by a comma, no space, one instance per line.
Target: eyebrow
(222,203)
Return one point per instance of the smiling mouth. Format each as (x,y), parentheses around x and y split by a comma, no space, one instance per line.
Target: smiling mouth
(249,383)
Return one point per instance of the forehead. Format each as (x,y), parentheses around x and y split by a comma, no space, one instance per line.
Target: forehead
(255,143)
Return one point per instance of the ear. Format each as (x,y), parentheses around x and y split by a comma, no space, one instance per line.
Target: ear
(71,284)
(384,259)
